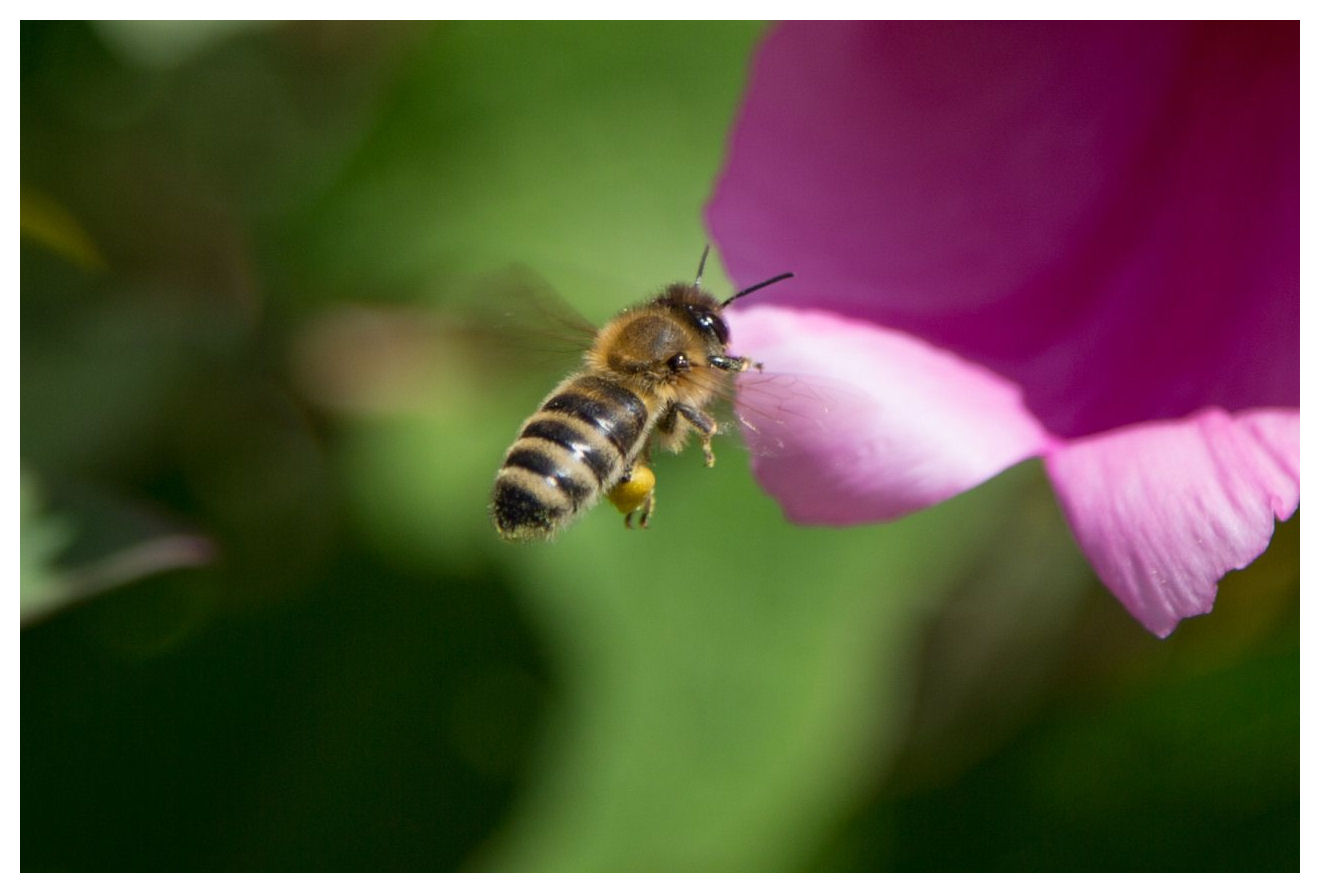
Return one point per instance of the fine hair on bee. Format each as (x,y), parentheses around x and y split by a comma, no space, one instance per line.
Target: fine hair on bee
(646,380)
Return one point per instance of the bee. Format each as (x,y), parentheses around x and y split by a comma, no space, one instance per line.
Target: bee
(647,379)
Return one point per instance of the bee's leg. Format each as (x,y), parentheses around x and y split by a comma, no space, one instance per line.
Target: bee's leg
(733,364)
(705,426)
(644,519)
(647,509)
(633,493)
(666,424)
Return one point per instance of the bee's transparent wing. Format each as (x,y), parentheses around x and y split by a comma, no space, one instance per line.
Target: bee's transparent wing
(522,321)
(507,328)
(779,412)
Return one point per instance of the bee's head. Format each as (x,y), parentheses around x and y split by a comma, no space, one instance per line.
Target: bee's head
(700,308)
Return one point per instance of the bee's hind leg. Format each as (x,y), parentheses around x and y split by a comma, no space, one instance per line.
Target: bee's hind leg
(635,493)
(643,513)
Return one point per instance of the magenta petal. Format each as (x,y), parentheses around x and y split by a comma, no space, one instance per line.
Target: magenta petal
(1100,220)
(867,424)
(1105,212)
(1163,510)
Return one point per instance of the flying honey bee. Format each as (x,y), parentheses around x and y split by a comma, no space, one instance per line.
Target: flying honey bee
(646,379)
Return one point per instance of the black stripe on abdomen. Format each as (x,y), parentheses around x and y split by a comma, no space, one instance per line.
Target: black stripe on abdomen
(601,464)
(543,464)
(614,411)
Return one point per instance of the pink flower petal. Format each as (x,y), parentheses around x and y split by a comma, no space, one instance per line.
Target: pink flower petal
(1099,219)
(870,424)
(1106,213)
(1165,509)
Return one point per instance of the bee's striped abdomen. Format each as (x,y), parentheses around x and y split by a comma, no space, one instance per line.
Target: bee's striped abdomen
(575,447)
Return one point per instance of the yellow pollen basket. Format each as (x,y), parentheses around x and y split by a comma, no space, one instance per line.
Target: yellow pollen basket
(630,495)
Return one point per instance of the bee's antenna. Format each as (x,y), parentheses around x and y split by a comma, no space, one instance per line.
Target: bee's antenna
(701,266)
(760,285)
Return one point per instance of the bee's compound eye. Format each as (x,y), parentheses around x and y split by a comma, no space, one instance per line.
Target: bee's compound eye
(717,328)
(679,363)
(710,323)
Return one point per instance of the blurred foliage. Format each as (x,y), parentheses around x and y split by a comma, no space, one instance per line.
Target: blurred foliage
(256,268)
(43,536)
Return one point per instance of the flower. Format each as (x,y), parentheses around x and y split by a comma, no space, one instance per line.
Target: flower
(1072,240)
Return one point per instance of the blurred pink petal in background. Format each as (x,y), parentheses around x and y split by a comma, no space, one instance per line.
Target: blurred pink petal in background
(1075,240)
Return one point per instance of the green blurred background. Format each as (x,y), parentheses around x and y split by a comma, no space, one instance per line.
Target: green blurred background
(268,626)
